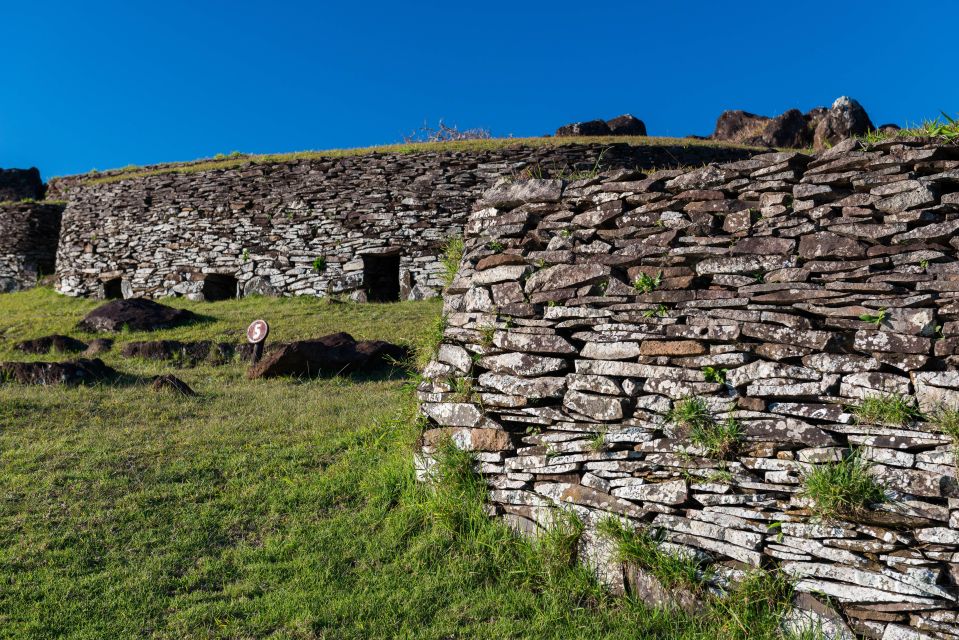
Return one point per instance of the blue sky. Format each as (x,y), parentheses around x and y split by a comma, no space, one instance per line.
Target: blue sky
(104,84)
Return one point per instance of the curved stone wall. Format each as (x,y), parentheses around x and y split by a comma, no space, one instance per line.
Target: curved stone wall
(779,292)
(28,242)
(301,227)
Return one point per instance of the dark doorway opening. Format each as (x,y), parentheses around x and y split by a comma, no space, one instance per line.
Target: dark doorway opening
(381,277)
(219,286)
(113,289)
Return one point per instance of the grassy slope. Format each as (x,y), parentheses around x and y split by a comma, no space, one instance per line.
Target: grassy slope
(232,161)
(282,508)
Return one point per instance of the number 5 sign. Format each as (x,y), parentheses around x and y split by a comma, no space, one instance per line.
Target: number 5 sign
(256,333)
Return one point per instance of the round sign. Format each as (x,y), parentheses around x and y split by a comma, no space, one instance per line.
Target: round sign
(257,331)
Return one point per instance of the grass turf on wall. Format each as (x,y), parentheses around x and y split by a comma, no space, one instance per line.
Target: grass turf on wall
(276,508)
(234,160)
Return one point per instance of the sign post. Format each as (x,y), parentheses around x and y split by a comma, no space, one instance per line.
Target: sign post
(256,333)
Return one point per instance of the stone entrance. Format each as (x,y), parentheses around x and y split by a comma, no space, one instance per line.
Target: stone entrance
(381,276)
(219,286)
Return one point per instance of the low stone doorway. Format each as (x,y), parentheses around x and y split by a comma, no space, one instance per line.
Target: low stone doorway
(219,286)
(381,277)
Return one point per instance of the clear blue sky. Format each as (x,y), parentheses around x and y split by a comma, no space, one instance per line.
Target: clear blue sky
(104,84)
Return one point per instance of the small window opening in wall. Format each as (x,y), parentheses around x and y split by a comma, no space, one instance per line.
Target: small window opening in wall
(112,289)
(219,286)
(381,277)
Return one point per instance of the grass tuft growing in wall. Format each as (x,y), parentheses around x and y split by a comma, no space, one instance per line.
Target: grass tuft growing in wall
(451,258)
(948,421)
(719,439)
(889,409)
(843,489)
(639,547)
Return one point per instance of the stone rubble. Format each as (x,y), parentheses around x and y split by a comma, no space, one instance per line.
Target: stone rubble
(750,282)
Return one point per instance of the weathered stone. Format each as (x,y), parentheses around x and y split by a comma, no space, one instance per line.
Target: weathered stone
(532,388)
(565,276)
(830,245)
(522,364)
(481,439)
(603,408)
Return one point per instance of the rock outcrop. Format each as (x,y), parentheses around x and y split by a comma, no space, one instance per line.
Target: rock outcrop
(771,297)
(819,128)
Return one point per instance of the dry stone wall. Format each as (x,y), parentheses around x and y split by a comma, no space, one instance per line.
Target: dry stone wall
(585,314)
(28,242)
(302,227)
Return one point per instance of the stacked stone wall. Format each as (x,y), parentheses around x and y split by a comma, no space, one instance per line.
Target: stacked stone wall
(301,227)
(782,293)
(28,242)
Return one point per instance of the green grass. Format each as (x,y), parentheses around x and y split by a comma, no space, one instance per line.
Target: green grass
(875,318)
(943,128)
(639,547)
(719,439)
(842,489)
(689,413)
(230,162)
(270,508)
(948,421)
(645,283)
(889,409)
(451,258)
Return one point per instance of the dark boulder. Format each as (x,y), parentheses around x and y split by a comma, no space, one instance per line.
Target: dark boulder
(164,382)
(75,372)
(845,119)
(330,355)
(56,342)
(137,314)
(626,125)
(183,352)
(590,128)
(787,130)
(890,129)
(739,126)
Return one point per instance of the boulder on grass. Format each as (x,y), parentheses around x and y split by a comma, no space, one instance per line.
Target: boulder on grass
(164,382)
(626,125)
(137,314)
(330,355)
(75,372)
(589,128)
(739,126)
(845,119)
(55,342)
